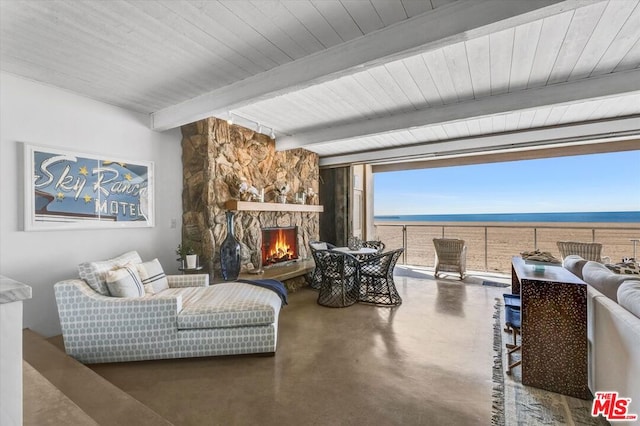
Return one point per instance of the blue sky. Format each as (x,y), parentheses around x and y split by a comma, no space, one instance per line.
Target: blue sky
(583,183)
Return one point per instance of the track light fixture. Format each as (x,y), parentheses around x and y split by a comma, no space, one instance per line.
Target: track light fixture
(248,123)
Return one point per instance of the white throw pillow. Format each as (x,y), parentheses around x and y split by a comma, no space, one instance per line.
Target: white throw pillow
(125,282)
(574,264)
(629,296)
(319,246)
(153,276)
(602,279)
(95,273)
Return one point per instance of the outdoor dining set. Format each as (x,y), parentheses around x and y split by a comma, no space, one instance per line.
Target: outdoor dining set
(344,275)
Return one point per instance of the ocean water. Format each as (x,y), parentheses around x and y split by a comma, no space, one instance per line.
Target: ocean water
(600,217)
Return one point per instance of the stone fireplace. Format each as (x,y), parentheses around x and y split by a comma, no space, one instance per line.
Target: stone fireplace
(279,245)
(216,157)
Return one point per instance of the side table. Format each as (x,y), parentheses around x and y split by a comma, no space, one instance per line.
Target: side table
(554,329)
(186,271)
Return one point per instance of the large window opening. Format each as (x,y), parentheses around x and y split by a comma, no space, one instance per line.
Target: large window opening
(502,209)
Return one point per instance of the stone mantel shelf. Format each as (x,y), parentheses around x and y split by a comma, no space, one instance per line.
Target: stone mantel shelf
(271,207)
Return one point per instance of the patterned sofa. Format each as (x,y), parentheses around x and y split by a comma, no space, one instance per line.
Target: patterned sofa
(188,319)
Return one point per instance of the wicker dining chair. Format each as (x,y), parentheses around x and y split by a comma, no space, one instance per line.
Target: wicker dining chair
(339,283)
(376,279)
(451,256)
(377,245)
(587,251)
(316,278)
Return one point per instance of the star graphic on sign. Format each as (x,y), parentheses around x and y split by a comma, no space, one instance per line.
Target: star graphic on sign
(128,176)
(84,171)
(60,196)
(87,198)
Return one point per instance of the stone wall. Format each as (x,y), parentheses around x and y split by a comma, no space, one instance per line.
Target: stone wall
(215,157)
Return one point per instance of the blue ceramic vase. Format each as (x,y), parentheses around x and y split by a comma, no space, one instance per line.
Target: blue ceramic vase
(230,253)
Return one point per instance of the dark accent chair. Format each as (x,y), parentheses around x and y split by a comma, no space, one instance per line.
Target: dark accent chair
(512,324)
(376,279)
(339,283)
(378,245)
(316,279)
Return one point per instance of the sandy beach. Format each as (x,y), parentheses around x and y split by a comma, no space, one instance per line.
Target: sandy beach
(491,245)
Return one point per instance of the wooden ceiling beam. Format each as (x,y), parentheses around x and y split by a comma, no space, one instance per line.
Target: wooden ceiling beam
(557,94)
(459,21)
(626,128)
(513,155)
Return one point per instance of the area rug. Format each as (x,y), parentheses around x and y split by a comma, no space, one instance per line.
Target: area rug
(517,404)
(495,284)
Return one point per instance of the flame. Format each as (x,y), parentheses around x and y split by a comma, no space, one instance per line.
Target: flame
(279,247)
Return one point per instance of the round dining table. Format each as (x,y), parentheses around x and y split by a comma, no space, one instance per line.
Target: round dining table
(360,252)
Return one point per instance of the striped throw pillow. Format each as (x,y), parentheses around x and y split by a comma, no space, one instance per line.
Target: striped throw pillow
(95,273)
(153,276)
(125,282)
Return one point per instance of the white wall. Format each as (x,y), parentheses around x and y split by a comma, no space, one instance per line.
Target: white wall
(38,114)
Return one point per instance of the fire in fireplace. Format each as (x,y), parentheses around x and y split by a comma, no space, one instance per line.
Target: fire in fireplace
(279,245)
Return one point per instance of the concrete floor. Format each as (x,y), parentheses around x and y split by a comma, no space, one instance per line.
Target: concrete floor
(426,362)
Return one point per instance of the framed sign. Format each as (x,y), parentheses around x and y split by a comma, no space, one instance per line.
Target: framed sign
(68,190)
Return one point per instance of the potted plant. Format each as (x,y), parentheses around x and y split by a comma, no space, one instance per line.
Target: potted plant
(187,256)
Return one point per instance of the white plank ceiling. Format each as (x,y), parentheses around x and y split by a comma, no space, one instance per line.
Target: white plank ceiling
(352,80)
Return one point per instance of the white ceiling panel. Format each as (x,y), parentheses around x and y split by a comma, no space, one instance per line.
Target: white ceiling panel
(458,68)
(512,121)
(525,121)
(423,134)
(421,76)
(486,125)
(437,65)
(576,111)
(389,11)
(611,22)
(366,17)
(624,40)
(312,20)
(525,44)
(583,22)
(416,7)
(398,73)
(391,87)
(479,66)
(499,123)
(339,77)
(439,132)
(540,117)
(500,55)
(334,13)
(552,36)
(631,60)
(625,106)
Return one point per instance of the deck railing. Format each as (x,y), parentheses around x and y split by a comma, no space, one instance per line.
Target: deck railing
(490,246)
